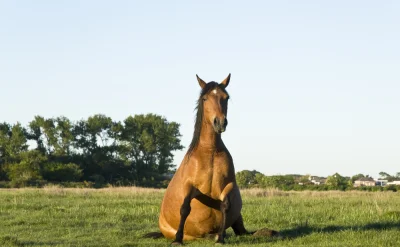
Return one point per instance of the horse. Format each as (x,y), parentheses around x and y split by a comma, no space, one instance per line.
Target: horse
(203,198)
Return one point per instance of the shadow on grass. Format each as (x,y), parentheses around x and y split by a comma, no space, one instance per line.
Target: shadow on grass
(301,231)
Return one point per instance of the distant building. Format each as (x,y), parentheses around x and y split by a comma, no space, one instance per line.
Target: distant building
(381,182)
(317,180)
(393,183)
(365,181)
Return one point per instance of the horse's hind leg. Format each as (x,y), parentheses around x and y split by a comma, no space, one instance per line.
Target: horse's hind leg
(238,227)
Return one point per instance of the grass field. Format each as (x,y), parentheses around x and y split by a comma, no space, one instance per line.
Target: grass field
(120,216)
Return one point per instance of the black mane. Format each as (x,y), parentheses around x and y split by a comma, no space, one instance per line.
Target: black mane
(199,115)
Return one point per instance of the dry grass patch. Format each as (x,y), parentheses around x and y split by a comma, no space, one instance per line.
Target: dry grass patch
(61,191)
(269,192)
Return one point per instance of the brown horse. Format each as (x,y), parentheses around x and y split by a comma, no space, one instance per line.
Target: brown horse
(203,198)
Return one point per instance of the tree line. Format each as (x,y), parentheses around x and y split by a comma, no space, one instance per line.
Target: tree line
(96,150)
(136,151)
(255,179)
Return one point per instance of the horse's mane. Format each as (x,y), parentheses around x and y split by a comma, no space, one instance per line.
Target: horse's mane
(199,115)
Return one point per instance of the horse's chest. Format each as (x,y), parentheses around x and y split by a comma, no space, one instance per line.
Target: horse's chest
(214,176)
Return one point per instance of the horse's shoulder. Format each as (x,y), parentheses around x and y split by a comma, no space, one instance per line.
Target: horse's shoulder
(224,156)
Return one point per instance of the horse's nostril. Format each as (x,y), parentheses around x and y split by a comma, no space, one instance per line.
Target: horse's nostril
(215,121)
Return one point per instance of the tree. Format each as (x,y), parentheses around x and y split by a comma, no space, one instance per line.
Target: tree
(279,181)
(35,133)
(389,177)
(259,179)
(384,175)
(53,136)
(95,147)
(28,169)
(305,179)
(5,132)
(246,178)
(64,137)
(356,177)
(146,144)
(43,131)
(336,181)
(12,142)
(61,172)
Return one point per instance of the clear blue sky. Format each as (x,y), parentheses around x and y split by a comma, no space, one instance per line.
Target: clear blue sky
(315,85)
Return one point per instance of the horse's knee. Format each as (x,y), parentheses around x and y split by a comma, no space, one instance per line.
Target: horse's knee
(225,204)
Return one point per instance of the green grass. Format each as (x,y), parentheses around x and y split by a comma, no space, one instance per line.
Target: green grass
(120,216)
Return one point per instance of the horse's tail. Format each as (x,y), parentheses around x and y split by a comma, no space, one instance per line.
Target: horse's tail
(153,235)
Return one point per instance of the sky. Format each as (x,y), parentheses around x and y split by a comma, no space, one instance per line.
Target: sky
(315,85)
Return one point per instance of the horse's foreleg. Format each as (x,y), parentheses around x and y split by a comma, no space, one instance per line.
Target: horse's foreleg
(224,207)
(184,212)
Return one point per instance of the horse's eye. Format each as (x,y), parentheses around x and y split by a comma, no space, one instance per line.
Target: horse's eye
(204,99)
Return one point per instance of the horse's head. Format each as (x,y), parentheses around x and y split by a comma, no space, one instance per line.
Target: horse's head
(214,99)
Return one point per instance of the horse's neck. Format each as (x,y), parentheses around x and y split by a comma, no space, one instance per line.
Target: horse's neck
(209,140)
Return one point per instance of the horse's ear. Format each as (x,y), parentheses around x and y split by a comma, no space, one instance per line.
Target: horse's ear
(225,82)
(201,82)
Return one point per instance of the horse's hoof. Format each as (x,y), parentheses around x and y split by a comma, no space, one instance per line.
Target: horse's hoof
(176,243)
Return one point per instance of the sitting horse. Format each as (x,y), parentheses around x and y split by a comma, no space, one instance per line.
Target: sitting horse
(203,198)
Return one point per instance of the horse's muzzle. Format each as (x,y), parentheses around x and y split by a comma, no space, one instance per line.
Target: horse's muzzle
(220,124)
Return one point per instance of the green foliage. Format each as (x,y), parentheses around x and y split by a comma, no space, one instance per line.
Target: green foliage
(27,170)
(285,182)
(369,188)
(337,182)
(247,179)
(389,177)
(146,145)
(305,180)
(392,187)
(251,179)
(136,151)
(384,175)
(12,142)
(255,179)
(356,177)
(59,172)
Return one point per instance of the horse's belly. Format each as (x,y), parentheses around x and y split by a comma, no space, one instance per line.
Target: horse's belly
(202,219)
